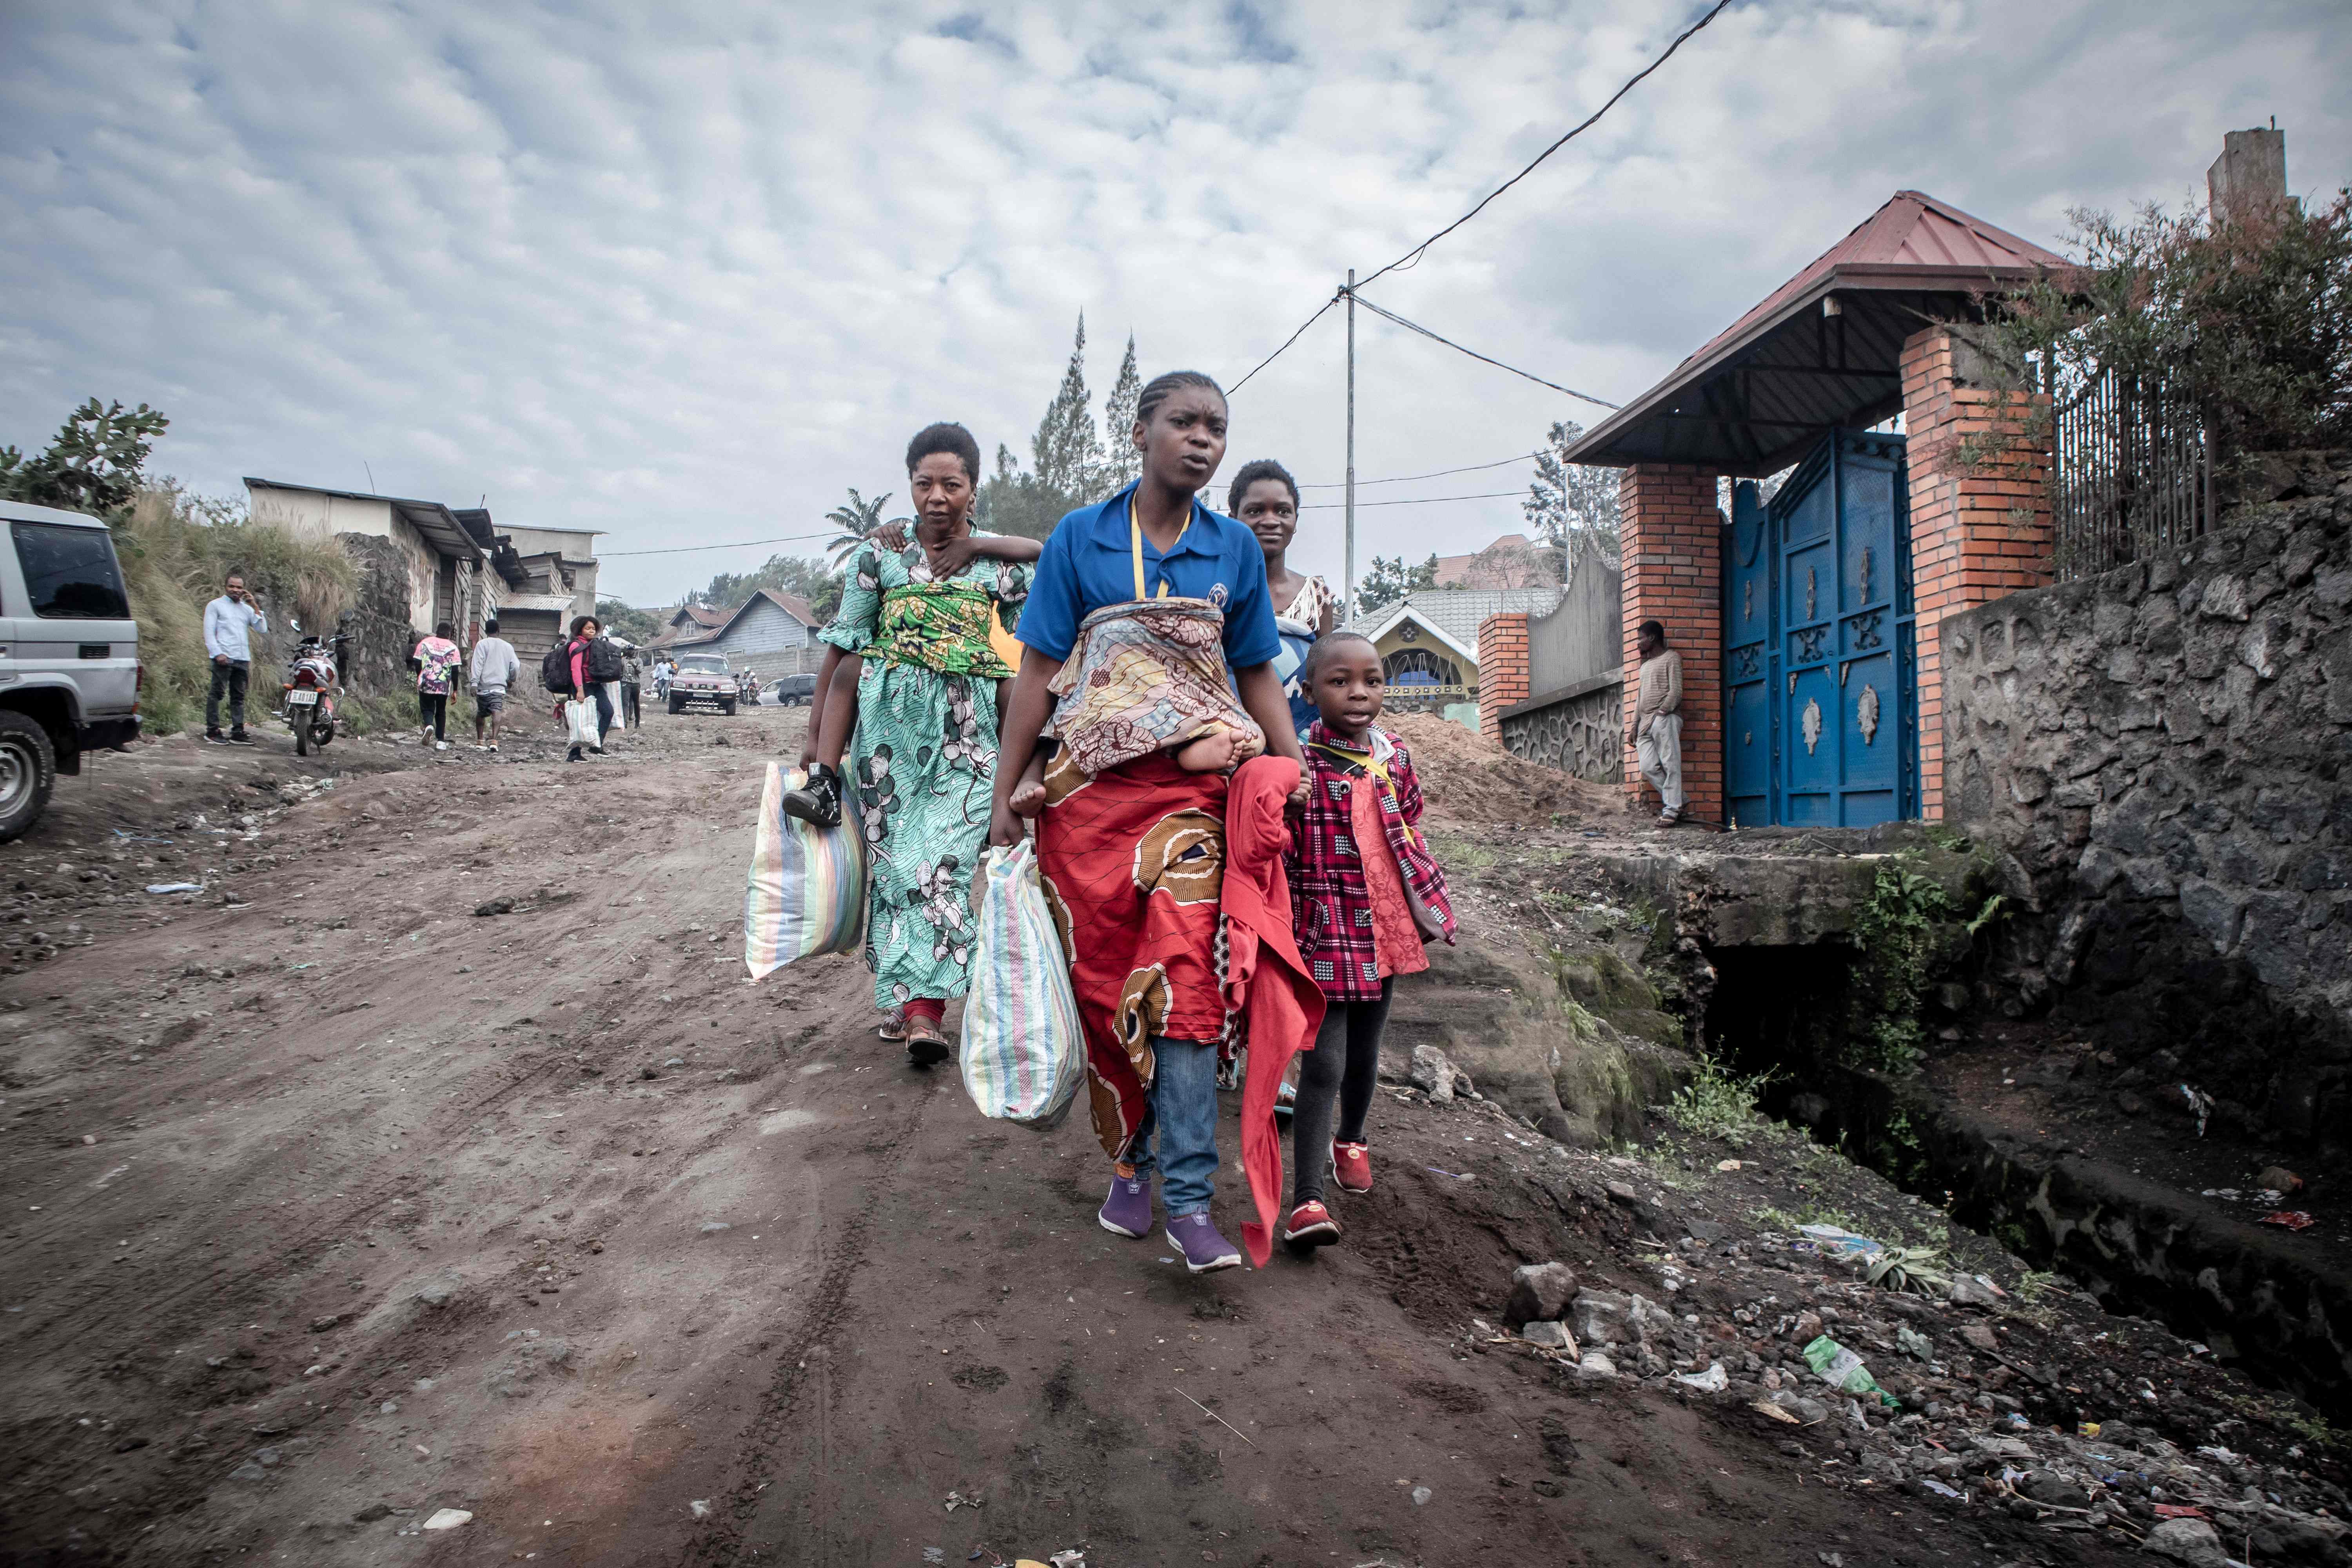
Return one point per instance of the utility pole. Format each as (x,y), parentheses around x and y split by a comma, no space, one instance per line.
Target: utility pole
(1348,591)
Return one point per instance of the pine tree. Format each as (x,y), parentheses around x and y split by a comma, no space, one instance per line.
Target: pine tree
(1571,501)
(1067,454)
(1122,464)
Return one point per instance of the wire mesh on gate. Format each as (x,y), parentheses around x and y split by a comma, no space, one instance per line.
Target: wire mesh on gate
(2133,474)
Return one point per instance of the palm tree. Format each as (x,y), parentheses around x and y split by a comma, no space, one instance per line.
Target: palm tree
(857,518)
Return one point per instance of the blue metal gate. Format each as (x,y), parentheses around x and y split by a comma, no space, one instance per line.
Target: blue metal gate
(1820,693)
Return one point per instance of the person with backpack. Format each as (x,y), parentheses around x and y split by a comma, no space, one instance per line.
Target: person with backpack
(578,670)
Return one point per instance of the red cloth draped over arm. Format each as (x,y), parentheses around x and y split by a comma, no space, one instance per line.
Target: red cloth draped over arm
(1264,975)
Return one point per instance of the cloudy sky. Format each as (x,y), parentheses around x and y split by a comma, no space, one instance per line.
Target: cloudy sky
(685,273)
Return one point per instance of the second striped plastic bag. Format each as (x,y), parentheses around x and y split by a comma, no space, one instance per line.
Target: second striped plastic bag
(806,891)
(1023,1052)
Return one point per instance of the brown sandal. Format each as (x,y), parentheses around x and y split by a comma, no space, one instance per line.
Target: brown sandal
(925,1043)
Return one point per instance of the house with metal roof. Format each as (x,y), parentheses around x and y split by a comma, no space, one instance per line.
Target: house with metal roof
(772,631)
(420,563)
(1428,641)
(1807,624)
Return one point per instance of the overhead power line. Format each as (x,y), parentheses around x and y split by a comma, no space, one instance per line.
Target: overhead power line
(739,544)
(1406,479)
(1474,354)
(1293,338)
(1410,257)
(1425,501)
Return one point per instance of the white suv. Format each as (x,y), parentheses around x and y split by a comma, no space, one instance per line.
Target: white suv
(69,672)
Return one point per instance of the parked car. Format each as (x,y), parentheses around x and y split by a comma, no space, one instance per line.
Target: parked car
(703,678)
(70,670)
(790,690)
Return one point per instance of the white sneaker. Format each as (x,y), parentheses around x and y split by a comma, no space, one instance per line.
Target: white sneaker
(440,745)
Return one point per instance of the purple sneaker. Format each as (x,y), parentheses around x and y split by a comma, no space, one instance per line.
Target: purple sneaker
(1204,1250)
(1128,1211)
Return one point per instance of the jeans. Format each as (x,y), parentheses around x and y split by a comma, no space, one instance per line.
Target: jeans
(1343,1066)
(1659,750)
(632,713)
(229,678)
(1181,1120)
(433,711)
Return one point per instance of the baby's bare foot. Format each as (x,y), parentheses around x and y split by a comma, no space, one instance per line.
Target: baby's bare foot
(1209,754)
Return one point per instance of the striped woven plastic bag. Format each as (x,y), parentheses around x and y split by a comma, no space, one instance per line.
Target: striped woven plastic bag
(1023,1053)
(806,892)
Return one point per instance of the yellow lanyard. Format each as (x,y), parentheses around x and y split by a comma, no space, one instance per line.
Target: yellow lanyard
(1135,539)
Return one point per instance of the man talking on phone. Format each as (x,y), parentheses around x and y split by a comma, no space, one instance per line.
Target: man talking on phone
(227,621)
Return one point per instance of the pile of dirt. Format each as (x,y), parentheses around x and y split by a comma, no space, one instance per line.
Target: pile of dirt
(1468,778)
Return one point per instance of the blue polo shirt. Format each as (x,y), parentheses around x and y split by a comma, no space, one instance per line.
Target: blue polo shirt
(1090,562)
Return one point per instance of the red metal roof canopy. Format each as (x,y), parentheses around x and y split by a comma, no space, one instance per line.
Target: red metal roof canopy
(1764,390)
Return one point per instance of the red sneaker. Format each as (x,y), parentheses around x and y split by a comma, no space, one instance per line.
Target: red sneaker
(1311,1224)
(1352,1166)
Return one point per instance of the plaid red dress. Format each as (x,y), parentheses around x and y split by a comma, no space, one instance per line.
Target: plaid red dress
(1331,898)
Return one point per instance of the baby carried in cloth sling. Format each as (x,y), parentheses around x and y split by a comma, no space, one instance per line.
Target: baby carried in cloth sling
(1149,676)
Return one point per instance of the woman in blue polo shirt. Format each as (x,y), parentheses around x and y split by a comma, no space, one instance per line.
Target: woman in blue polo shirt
(1132,858)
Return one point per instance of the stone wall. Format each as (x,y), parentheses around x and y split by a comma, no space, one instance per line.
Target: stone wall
(2168,749)
(1580,730)
(379,622)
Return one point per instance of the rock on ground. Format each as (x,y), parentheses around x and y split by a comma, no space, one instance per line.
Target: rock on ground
(1539,1291)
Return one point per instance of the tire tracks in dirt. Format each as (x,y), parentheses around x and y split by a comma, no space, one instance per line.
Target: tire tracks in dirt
(805,1359)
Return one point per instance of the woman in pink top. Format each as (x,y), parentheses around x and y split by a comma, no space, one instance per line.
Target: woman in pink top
(587,659)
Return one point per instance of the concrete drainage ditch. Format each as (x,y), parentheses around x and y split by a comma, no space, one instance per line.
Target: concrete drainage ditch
(1766,954)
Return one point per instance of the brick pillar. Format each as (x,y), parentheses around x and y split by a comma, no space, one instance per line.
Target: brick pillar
(1672,535)
(1980,528)
(1502,669)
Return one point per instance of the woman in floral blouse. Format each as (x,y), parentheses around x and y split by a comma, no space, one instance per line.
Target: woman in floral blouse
(923,757)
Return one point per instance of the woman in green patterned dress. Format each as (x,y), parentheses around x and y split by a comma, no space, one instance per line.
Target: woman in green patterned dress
(923,758)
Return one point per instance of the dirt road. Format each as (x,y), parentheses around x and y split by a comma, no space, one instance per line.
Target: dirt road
(339,1206)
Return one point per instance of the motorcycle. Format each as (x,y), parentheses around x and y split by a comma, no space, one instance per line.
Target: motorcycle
(310,683)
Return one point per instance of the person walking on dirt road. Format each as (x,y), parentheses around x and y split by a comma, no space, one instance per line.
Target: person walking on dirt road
(923,767)
(496,667)
(436,661)
(1658,720)
(632,675)
(1134,856)
(229,622)
(590,663)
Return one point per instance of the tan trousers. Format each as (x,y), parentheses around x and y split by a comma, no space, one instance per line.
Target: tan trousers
(1659,750)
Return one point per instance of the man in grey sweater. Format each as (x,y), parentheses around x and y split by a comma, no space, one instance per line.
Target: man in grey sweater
(1658,720)
(495,668)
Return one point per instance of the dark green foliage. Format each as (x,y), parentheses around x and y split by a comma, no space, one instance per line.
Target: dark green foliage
(1389,581)
(2244,317)
(1571,501)
(635,625)
(92,465)
(1895,930)
(784,573)
(1072,463)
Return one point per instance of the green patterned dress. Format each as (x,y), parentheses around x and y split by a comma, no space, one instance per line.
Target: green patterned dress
(923,763)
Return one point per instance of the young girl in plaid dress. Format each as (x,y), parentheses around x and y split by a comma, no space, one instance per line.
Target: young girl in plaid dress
(1365,896)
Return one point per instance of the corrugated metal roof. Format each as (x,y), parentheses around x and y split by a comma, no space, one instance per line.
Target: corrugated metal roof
(1763,390)
(1457,612)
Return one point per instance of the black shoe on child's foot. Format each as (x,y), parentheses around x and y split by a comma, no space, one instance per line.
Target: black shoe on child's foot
(817,801)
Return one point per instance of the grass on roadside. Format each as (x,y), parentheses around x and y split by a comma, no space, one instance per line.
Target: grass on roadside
(1720,1103)
(176,548)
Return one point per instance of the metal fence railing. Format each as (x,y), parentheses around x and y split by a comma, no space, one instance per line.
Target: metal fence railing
(2134,474)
